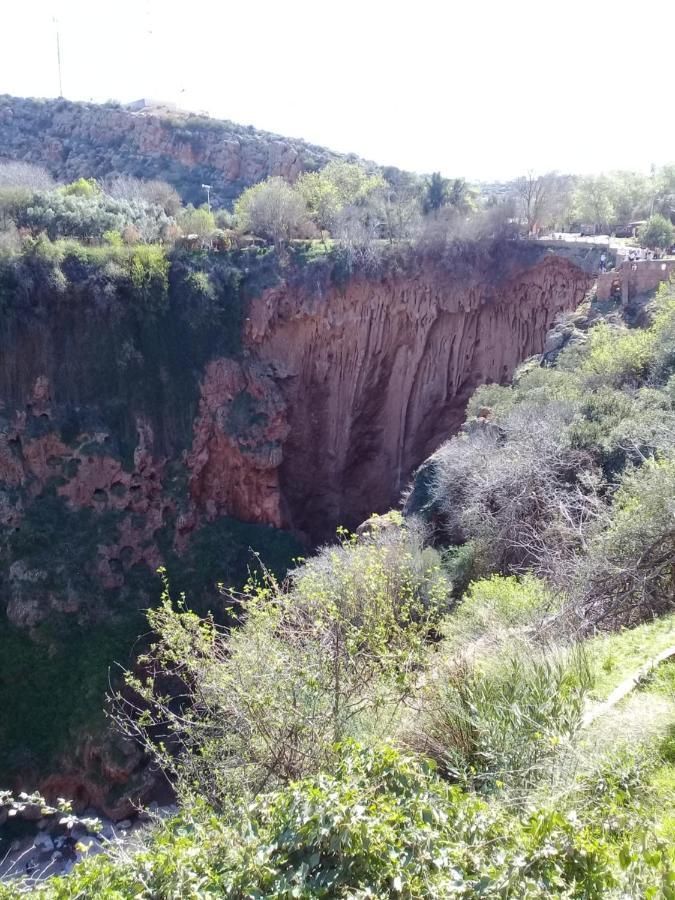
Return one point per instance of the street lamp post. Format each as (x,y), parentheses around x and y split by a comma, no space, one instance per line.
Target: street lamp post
(207,188)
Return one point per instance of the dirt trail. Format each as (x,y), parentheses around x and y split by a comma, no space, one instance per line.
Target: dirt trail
(626,686)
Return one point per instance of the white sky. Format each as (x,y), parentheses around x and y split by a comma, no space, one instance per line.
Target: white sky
(479,88)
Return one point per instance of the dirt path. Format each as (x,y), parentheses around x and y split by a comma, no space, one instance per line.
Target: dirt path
(626,686)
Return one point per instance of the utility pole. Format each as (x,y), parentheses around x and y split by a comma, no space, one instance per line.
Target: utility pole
(207,188)
(58,55)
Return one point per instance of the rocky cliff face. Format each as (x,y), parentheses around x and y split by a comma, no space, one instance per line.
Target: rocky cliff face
(316,415)
(374,376)
(76,140)
(188,432)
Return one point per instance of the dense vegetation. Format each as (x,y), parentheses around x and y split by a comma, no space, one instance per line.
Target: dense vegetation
(569,474)
(344,201)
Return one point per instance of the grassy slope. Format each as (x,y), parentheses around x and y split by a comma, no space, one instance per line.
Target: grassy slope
(616,656)
(646,717)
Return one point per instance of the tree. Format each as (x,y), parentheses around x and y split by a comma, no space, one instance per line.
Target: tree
(460,196)
(83,187)
(664,192)
(335,649)
(274,210)
(436,194)
(631,195)
(336,186)
(398,211)
(18,180)
(658,233)
(594,201)
(160,193)
(87,216)
(198,221)
(542,199)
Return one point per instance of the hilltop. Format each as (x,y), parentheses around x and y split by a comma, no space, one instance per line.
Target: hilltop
(73,140)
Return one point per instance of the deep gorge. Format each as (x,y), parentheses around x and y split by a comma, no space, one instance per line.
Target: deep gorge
(187,432)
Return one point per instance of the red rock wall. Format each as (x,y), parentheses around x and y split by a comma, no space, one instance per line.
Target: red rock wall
(340,394)
(366,383)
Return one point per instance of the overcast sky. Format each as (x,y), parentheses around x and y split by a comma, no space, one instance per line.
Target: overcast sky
(481,88)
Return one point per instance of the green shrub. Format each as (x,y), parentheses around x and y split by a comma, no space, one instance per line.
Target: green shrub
(383,825)
(616,357)
(83,187)
(529,483)
(627,575)
(149,274)
(498,715)
(88,216)
(491,606)
(658,233)
(332,654)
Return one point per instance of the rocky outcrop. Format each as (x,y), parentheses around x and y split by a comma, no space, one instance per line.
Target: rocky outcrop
(86,475)
(75,140)
(240,428)
(376,375)
(337,393)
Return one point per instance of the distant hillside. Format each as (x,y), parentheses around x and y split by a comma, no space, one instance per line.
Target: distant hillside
(91,140)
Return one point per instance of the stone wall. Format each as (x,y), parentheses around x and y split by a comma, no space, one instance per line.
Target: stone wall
(630,280)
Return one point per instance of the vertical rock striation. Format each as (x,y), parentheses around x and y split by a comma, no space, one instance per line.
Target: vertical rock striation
(375,376)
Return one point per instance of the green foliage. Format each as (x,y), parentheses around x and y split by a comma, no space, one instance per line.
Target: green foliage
(616,655)
(615,357)
(628,571)
(149,274)
(83,187)
(336,186)
(272,209)
(383,825)
(88,216)
(227,552)
(658,233)
(530,482)
(52,690)
(491,606)
(437,191)
(330,655)
(200,221)
(500,717)
(593,201)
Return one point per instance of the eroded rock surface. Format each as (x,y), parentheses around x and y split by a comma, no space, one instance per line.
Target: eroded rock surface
(376,375)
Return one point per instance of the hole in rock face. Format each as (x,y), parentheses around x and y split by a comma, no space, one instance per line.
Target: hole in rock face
(126,555)
(72,467)
(99,495)
(117,489)
(81,797)
(115,566)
